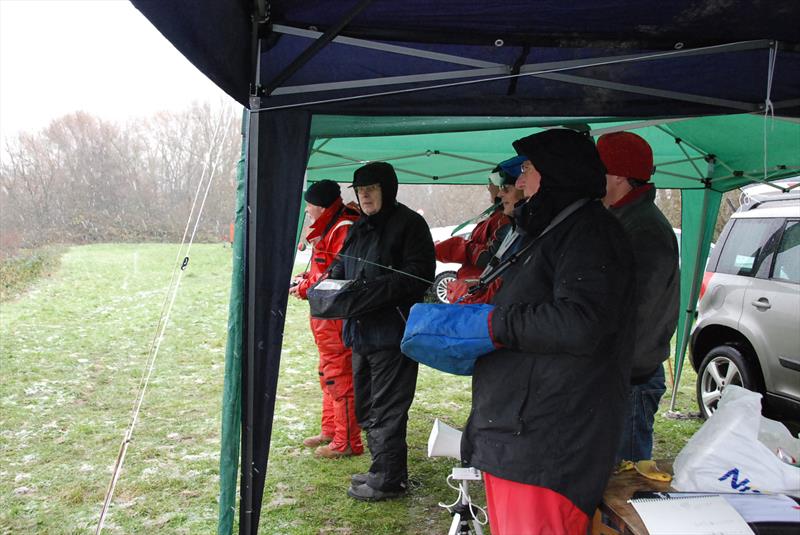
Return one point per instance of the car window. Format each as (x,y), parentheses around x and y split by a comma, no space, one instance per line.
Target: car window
(787,261)
(749,247)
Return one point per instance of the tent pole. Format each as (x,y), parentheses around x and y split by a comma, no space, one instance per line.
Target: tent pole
(315,47)
(251,214)
(249,297)
(643,90)
(692,304)
(385,47)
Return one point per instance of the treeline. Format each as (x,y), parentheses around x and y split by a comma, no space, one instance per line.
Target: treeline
(83,179)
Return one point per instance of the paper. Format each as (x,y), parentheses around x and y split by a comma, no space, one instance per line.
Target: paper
(765,507)
(694,515)
(753,507)
(331,284)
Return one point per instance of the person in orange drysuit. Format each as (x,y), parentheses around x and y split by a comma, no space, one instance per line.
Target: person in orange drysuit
(331,219)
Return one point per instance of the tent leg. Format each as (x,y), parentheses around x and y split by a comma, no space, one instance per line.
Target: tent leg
(248,338)
(277,158)
(692,304)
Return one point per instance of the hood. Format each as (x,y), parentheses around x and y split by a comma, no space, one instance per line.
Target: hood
(378,173)
(571,169)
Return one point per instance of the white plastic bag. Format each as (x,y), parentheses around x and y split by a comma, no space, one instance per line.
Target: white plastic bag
(736,451)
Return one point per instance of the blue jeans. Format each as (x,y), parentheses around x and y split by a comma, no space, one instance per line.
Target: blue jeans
(637,435)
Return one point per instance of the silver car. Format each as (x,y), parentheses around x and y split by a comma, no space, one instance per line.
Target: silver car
(747,331)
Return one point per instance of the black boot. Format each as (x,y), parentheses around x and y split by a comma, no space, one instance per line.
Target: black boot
(358,479)
(365,493)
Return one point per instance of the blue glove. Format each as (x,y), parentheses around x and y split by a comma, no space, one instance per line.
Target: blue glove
(449,338)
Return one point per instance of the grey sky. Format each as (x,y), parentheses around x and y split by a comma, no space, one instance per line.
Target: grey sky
(99,56)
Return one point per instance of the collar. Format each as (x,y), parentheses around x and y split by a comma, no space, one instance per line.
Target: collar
(319,226)
(633,196)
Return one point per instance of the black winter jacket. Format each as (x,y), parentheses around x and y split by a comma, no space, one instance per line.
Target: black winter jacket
(398,238)
(655,250)
(547,408)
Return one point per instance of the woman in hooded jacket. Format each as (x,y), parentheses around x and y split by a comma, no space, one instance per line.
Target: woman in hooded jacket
(548,403)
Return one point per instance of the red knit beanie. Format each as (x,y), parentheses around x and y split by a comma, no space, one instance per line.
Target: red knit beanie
(626,154)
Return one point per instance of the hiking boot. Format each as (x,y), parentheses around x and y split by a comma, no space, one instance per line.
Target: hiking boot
(365,493)
(358,479)
(316,440)
(326,452)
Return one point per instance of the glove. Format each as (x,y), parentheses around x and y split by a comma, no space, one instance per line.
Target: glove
(452,250)
(449,338)
(457,289)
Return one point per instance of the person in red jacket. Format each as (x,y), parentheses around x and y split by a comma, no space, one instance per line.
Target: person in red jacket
(340,435)
(474,253)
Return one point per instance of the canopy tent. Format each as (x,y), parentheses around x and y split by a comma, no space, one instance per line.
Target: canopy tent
(703,157)
(310,69)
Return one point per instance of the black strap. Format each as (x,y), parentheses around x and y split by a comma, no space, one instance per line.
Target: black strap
(503,266)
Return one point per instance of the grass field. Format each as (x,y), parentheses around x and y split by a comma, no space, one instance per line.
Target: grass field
(72,351)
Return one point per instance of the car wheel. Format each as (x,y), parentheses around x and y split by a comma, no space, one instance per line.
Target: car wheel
(440,285)
(722,366)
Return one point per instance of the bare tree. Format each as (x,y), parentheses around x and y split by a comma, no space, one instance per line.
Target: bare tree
(669,201)
(83,179)
(444,205)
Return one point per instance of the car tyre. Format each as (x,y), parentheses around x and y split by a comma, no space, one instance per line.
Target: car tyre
(439,286)
(722,366)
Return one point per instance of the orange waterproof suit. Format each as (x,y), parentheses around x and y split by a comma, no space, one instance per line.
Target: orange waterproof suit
(335,360)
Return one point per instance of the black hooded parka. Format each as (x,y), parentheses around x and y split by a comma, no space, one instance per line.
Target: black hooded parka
(384,379)
(548,406)
(396,237)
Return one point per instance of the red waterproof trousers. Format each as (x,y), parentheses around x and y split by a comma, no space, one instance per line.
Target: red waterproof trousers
(520,509)
(336,380)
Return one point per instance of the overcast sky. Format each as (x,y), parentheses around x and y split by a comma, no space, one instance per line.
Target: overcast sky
(100,56)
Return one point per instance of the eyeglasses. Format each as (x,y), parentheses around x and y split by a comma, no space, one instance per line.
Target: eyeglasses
(366,189)
(505,188)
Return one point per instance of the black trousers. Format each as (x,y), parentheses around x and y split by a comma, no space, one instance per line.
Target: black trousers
(384,383)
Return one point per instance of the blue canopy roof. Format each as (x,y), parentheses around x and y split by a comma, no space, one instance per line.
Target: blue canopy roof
(511,58)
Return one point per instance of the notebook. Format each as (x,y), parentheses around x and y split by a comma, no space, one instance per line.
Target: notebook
(694,515)
(754,508)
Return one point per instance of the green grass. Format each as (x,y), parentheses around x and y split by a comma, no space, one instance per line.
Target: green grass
(72,350)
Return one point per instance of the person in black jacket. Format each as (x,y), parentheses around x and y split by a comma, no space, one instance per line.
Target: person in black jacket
(548,404)
(389,250)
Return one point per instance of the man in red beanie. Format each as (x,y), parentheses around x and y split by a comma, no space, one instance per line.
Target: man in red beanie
(631,197)
(330,222)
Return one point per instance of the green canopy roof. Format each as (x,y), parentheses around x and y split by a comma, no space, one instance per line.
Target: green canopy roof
(462,150)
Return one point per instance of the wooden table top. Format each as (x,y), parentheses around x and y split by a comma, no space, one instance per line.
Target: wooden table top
(622,515)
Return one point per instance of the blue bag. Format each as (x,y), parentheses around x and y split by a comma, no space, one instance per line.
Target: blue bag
(449,338)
